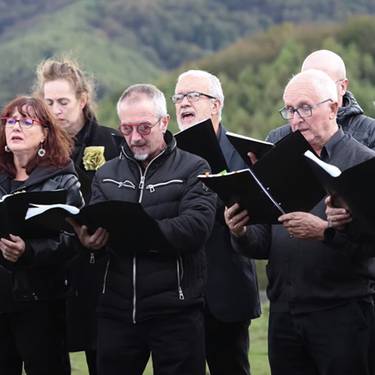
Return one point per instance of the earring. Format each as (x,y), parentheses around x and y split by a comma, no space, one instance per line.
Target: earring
(41,151)
(6,148)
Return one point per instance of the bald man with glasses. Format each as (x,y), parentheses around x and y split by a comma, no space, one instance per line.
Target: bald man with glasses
(350,115)
(320,287)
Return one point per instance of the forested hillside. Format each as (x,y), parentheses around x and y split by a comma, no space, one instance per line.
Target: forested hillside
(255,70)
(170,32)
(125,41)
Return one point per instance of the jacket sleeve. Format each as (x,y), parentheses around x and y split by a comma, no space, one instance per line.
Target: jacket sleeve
(255,243)
(190,230)
(57,249)
(350,243)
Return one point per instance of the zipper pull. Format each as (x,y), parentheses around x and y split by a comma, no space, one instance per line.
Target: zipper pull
(180,294)
(142,182)
(92,258)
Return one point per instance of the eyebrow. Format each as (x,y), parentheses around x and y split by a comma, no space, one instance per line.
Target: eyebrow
(298,105)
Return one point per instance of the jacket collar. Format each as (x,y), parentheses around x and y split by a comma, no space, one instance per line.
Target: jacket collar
(38,175)
(227,148)
(350,107)
(329,147)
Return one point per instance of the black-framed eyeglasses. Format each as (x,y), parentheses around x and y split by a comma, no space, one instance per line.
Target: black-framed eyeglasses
(192,96)
(143,128)
(24,122)
(303,111)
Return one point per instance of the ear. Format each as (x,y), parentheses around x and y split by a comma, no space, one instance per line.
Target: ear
(216,106)
(164,122)
(83,100)
(343,86)
(334,108)
(45,134)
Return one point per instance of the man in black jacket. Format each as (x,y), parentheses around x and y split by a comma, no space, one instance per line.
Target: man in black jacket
(152,297)
(350,115)
(321,291)
(232,298)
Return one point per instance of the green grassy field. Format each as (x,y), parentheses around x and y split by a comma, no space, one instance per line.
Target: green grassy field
(258,350)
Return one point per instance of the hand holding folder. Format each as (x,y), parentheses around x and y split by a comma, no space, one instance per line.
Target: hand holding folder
(128,224)
(352,188)
(279,182)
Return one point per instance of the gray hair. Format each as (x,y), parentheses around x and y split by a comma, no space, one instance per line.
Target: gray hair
(214,88)
(150,91)
(322,83)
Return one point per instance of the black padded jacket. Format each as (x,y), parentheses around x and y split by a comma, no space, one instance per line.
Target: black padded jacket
(141,284)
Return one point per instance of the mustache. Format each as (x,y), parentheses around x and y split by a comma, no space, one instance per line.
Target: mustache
(138,143)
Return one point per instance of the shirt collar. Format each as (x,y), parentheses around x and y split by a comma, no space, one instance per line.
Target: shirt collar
(330,146)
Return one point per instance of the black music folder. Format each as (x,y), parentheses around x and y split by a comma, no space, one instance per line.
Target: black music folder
(128,223)
(352,188)
(201,140)
(244,144)
(13,208)
(281,181)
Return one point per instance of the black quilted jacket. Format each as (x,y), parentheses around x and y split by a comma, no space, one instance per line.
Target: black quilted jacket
(140,284)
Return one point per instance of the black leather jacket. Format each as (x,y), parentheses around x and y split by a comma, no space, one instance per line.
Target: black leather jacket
(38,274)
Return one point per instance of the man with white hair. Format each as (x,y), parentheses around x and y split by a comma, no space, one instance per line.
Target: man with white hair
(152,298)
(350,115)
(232,298)
(320,285)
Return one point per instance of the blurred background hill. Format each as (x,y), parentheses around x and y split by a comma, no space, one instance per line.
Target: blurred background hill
(254,46)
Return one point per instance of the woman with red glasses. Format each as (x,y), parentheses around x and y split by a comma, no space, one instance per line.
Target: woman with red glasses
(34,156)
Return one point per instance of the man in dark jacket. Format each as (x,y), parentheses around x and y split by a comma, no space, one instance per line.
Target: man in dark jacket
(232,298)
(350,115)
(152,298)
(317,284)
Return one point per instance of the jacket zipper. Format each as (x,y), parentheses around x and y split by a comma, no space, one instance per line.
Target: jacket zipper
(141,187)
(180,272)
(152,187)
(92,258)
(105,277)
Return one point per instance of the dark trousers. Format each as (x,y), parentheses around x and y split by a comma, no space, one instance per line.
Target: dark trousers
(176,342)
(91,361)
(35,339)
(336,341)
(227,346)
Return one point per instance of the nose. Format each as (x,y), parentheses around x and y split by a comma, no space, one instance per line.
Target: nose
(185,101)
(56,109)
(295,120)
(17,125)
(135,136)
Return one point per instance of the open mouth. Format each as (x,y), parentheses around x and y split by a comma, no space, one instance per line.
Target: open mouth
(187,115)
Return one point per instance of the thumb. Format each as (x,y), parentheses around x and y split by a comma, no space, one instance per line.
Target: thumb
(76,226)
